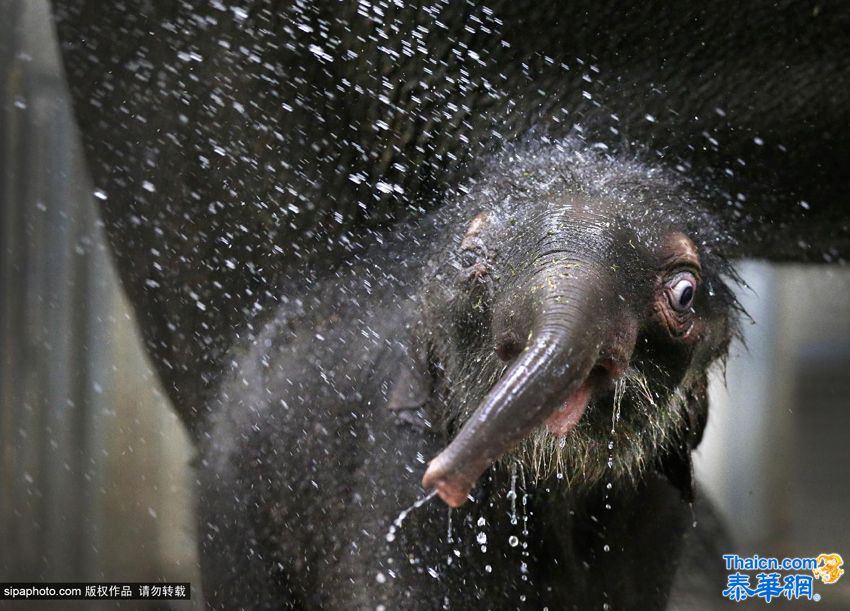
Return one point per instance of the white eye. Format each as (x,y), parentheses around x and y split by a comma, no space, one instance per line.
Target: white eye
(682,289)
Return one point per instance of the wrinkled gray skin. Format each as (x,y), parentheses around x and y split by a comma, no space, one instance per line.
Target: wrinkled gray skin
(378,247)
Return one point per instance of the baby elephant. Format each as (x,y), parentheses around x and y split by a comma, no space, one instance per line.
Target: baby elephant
(543,340)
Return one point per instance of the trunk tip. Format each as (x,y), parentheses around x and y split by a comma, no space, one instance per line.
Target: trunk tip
(452,488)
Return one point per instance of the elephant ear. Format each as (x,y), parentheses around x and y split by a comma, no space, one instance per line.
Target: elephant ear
(409,383)
(410,389)
(677,466)
(675,462)
(696,412)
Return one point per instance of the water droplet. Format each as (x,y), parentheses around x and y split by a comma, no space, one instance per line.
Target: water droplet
(381,578)
(513,541)
(606,548)
(390,536)
(481,538)
(481,521)
(488,568)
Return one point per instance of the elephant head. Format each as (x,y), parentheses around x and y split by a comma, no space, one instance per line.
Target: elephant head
(574,319)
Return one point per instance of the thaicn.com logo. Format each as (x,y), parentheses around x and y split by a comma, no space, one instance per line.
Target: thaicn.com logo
(771,578)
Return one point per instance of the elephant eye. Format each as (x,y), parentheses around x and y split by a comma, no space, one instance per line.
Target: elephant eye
(681,291)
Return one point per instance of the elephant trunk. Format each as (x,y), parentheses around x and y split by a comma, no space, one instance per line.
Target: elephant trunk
(549,379)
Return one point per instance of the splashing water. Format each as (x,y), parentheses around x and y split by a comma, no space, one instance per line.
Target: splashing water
(524,502)
(390,536)
(619,392)
(512,493)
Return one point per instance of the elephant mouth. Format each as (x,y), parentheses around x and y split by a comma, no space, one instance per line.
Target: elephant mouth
(454,486)
(567,416)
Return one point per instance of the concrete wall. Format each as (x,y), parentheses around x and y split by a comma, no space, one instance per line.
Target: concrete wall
(777,449)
